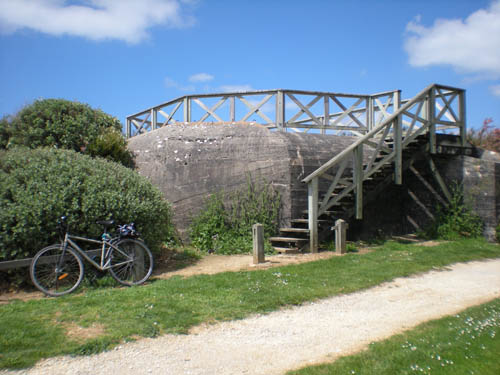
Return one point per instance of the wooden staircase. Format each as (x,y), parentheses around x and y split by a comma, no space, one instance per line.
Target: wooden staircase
(296,238)
(342,186)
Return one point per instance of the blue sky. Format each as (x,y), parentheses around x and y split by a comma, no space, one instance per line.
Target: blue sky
(124,56)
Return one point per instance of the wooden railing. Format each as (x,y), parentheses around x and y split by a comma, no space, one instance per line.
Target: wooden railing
(301,111)
(437,108)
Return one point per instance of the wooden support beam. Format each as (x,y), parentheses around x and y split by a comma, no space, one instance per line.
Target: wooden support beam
(312,202)
(129,128)
(326,117)
(358,180)
(432,120)
(398,139)
(187,109)
(232,109)
(154,119)
(420,204)
(463,123)
(428,186)
(439,179)
(280,110)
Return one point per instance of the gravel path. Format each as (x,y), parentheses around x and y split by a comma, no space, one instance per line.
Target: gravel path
(287,339)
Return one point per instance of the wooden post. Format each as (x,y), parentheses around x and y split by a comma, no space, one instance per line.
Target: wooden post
(369,113)
(154,119)
(398,145)
(340,236)
(326,118)
(431,112)
(232,109)
(280,110)
(187,110)
(258,243)
(358,180)
(461,109)
(129,128)
(312,213)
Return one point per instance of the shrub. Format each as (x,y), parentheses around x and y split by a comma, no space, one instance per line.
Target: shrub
(38,186)
(488,137)
(5,132)
(111,145)
(69,125)
(455,220)
(226,228)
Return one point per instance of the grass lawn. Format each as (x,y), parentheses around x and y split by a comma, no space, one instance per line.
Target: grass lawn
(467,343)
(42,328)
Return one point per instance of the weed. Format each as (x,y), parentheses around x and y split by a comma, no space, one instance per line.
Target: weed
(455,220)
(224,226)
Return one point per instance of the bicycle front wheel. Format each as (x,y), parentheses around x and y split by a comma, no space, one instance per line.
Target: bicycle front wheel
(56,274)
(131,262)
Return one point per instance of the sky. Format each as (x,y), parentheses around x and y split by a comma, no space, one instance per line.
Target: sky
(124,56)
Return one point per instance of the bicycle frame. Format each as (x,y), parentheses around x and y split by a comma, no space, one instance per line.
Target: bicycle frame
(106,247)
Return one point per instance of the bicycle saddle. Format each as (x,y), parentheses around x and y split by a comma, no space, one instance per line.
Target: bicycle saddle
(105,223)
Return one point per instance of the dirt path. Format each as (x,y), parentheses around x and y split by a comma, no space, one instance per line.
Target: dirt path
(287,339)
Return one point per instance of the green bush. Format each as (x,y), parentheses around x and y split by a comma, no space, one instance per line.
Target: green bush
(5,132)
(38,186)
(226,228)
(68,125)
(111,145)
(455,220)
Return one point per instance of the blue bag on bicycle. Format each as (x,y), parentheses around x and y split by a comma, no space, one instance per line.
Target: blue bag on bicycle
(128,230)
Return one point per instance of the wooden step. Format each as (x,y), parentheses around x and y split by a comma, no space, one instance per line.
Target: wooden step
(287,239)
(295,230)
(306,221)
(287,250)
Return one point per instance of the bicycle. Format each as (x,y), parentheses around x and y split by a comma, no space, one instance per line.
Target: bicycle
(58,269)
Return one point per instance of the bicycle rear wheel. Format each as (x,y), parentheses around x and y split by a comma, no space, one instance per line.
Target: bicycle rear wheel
(131,262)
(55,274)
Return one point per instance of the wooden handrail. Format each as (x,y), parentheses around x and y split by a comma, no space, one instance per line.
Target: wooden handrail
(339,157)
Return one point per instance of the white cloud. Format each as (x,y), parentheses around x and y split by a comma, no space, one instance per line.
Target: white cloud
(470,46)
(236,88)
(126,20)
(495,90)
(201,77)
(171,83)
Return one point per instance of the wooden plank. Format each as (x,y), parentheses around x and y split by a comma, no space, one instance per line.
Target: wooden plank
(420,204)
(447,110)
(169,117)
(398,146)
(305,109)
(187,109)
(210,111)
(431,112)
(326,111)
(280,110)
(232,109)
(347,112)
(428,186)
(463,121)
(358,180)
(439,179)
(334,184)
(255,109)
